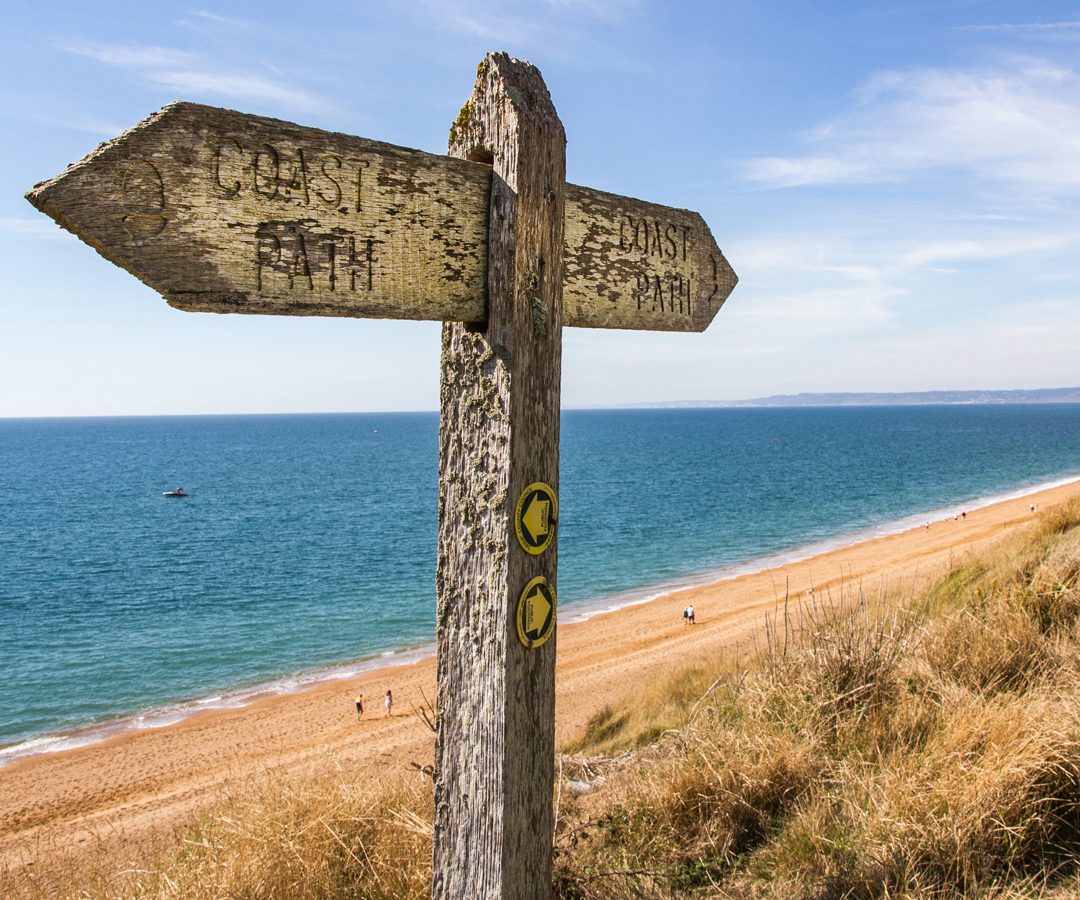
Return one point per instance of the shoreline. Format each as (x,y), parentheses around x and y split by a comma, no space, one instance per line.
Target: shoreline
(293,683)
(131,792)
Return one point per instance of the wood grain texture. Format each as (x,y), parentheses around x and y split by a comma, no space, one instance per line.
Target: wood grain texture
(632,264)
(220,211)
(499,433)
(225,212)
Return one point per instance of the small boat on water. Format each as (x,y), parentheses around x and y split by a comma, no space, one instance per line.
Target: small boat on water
(179,492)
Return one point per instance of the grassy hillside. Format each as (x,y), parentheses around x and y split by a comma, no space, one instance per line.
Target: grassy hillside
(879,747)
(924,746)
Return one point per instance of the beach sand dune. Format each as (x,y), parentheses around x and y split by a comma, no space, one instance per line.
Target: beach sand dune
(143,783)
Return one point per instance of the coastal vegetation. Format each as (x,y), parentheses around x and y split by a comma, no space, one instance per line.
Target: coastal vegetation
(878,745)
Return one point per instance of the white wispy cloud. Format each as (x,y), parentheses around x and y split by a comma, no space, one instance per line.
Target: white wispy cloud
(190,74)
(1037,347)
(814,286)
(130,57)
(828,286)
(223,20)
(970,250)
(600,10)
(869,259)
(805,255)
(1026,26)
(831,309)
(38,228)
(99,127)
(527,21)
(1016,124)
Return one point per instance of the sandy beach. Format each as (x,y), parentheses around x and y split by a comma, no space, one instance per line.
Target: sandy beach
(142,783)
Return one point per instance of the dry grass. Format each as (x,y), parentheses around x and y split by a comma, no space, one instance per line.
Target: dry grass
(919,746)
(882,747)
(323,837)
(328,835)
(657,707)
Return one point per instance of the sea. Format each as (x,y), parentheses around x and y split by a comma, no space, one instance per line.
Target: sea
(305,549)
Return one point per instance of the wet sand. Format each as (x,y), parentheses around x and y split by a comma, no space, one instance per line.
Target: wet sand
(146,783)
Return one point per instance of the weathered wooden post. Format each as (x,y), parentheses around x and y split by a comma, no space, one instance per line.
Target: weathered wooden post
(225,212)
(499,434)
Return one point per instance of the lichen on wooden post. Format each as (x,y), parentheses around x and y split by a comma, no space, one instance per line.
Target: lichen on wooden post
(499,433)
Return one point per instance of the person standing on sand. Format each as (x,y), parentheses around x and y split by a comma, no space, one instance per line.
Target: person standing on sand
(690,614)
(388,703)
(359,706)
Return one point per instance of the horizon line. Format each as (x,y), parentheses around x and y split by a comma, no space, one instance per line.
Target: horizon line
(756,402)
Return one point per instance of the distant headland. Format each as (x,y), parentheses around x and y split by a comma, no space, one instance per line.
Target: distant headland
(907,398)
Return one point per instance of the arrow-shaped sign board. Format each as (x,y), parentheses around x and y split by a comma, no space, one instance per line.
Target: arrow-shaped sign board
(225,212)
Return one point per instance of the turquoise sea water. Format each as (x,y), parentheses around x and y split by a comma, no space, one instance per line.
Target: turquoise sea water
(308,542)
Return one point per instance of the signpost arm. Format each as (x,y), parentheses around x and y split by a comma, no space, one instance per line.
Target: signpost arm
(499,433)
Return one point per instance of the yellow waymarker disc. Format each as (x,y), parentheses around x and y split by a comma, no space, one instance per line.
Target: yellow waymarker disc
(536,613)
(535,516)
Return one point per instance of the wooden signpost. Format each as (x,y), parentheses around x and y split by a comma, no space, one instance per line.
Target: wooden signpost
(224,212)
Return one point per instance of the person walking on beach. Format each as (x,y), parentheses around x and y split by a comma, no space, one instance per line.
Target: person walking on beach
(690,614)
(359,706)
(388,703)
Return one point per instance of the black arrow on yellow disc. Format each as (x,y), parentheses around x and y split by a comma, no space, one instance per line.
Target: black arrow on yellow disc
(535,516)
(536,613)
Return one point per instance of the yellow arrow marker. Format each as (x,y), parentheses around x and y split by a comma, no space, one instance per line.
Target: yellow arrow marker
(535,517)
(537,610)
(536,613)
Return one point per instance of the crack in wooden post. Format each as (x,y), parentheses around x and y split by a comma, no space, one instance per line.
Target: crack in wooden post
(499,433)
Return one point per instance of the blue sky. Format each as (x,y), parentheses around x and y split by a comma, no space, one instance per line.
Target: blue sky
(897,185)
